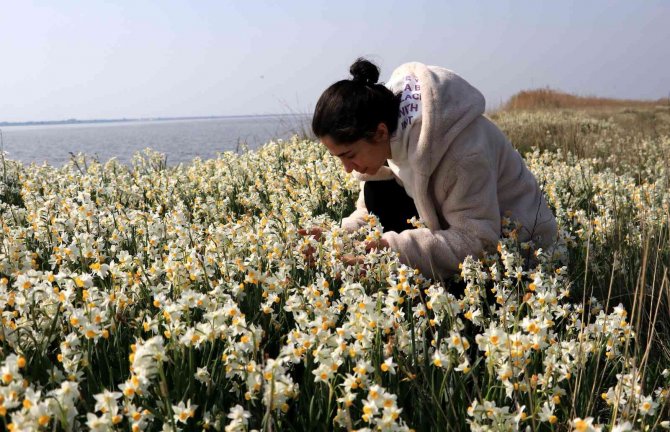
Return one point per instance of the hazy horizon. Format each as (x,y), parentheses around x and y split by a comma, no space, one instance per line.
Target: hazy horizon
(137,60)
(140,119)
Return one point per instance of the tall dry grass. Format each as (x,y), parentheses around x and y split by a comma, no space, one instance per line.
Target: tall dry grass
(588,133)
(550,99)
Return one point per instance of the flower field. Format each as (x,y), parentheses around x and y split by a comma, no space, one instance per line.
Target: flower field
(149,297)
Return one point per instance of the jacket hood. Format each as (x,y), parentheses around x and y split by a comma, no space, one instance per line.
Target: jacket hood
(440,103)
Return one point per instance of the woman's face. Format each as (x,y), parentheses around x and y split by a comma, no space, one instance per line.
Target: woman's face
(364,156)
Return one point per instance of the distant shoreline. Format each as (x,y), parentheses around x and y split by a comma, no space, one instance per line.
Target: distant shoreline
(148,119)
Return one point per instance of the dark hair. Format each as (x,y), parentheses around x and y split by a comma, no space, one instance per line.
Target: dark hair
(352,109)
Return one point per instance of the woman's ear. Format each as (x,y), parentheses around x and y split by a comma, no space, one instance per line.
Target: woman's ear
(382,133)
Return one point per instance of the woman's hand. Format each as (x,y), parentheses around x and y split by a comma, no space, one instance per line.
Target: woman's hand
(376,244)
(315,232)
(347,259)
(355,260)
(352,260)
(370,245)
(309,251)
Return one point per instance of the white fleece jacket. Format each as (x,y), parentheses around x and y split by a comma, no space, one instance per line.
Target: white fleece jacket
(461,171)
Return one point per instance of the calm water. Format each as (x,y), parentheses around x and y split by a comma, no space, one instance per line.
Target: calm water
(180,140)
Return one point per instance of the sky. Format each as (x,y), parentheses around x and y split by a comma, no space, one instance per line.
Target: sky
(137,59)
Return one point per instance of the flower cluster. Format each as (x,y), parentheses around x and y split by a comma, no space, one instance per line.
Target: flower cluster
(147,297)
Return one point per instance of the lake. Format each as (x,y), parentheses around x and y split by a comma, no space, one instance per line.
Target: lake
(179,140)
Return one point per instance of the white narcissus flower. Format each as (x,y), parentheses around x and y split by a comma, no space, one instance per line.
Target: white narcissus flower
(202,375)
(238,419)
(647,406)
(584,425)
(547,413)
(622,427)
(106,400)
(440,360)
(98,424)
(388,366)
(183,412)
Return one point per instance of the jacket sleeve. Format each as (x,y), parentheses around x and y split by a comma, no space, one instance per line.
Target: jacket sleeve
(471,211)
(356,219)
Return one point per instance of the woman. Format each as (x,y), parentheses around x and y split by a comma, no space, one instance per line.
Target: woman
(422,146)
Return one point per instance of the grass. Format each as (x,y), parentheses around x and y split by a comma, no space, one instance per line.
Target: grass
(619,137)
(540,99)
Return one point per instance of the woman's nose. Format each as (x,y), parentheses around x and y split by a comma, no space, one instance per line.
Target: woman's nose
(348,166)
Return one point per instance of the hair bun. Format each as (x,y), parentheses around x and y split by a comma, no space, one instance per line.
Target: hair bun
(364,71)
